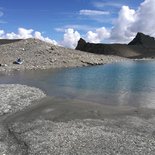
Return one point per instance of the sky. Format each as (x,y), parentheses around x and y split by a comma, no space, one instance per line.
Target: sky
(64,22)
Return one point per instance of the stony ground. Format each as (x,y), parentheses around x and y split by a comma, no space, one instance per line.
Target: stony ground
(123,136)
(40,55)
(12,99)
(15,97)
(62,129)
(65,130)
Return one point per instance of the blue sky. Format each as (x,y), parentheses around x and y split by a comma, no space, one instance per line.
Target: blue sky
(52,18)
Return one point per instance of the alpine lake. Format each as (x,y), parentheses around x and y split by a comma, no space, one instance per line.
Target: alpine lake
(128,84)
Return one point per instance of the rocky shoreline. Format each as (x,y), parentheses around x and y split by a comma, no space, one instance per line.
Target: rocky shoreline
(37,54)
(74,127)
(13,98)
(71,127)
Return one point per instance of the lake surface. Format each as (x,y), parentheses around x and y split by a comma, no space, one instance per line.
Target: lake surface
(130,83)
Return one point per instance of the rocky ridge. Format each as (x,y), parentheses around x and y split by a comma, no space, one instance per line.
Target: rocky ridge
(142,46)
(143,40)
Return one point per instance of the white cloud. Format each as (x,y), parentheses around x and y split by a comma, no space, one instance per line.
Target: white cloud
(38,35)
(11,35)
(121,30)
(75,27)
(1,33)
(97,36)
(126,25)
(60,29)
(24,34)
(131,21)
(145,16)
(104,4)
(92,37)
(103,33)
(71,38)
(93,12)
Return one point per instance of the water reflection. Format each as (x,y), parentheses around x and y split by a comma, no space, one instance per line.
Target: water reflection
(129,83)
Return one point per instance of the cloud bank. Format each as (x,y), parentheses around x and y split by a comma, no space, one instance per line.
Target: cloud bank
(24,34)
(127,24)
(97,36)
(144,18)
(71,38)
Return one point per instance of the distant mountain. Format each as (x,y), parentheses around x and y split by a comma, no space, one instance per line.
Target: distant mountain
(141,46)
(144,40)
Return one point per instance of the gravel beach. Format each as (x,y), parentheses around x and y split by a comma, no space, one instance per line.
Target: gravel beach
(13,98)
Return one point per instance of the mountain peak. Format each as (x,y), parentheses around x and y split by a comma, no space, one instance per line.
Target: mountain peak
(81,44)
(142,39)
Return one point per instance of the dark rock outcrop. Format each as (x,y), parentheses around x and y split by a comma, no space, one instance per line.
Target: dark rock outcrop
(144,40)
(81,44)
(141,46)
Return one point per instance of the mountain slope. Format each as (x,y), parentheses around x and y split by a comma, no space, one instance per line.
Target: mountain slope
(141,46)
(144,40)
(41,55)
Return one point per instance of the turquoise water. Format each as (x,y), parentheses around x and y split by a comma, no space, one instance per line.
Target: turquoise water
(127,83)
